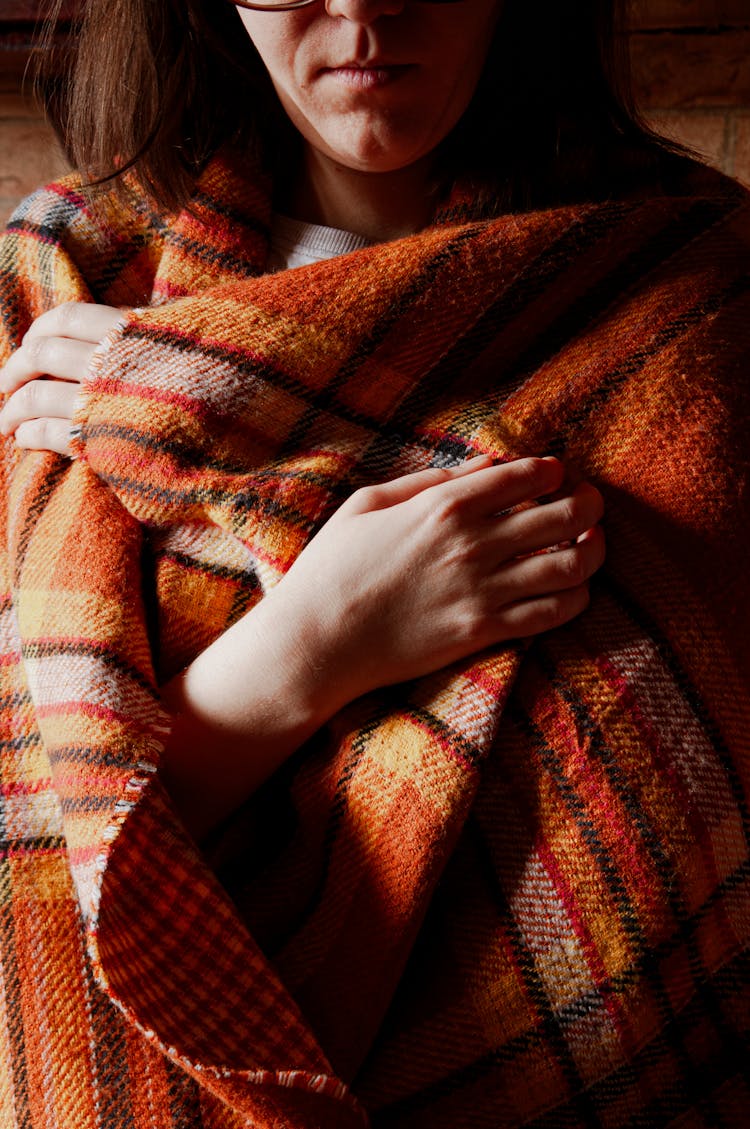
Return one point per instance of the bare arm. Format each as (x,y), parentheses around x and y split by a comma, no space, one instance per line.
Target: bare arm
(404,579)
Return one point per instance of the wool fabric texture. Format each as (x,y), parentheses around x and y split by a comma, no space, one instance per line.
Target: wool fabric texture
(512,893)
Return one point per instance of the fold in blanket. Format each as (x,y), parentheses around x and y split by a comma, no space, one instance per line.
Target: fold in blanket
(513,893)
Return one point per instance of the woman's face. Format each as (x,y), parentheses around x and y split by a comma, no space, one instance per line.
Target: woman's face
(374,85)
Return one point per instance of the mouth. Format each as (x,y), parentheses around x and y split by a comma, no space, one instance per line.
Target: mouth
(368,76)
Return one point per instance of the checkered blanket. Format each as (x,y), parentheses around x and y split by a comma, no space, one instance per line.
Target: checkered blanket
(512,893)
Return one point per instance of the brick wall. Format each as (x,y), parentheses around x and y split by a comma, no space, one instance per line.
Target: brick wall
(691,61)
(29,152)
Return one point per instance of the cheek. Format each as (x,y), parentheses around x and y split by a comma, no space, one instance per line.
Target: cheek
(455,72)
(461,42)
(274,41)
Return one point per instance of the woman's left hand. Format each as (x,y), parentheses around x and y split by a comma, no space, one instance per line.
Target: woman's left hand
(44,376)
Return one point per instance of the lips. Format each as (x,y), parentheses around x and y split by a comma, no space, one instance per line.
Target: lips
(368,76)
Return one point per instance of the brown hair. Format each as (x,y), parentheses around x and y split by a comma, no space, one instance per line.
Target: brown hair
(158,85)
(554,118)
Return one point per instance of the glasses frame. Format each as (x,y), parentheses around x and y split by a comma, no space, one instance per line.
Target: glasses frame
(287,6)
(292,5)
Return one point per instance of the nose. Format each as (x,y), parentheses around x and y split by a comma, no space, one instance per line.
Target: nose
(364,11)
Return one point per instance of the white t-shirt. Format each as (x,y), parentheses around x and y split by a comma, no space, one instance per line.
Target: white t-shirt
(296,244)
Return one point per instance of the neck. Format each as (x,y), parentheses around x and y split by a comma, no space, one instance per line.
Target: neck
(378,206)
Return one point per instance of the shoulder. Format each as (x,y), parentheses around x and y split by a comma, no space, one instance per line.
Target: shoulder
(722,201)
(684,177)
(111,240)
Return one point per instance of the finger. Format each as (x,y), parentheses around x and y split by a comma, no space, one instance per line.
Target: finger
(406,486)
(550,573)
(44,435)
(39,399)
(84,321)
(59,357)
(532,617)
(542,527)
(497,488)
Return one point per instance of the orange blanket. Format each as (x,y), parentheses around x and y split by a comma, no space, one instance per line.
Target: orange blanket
(513,893)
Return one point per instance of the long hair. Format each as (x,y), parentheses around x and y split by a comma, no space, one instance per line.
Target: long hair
(157,86)
(154,86)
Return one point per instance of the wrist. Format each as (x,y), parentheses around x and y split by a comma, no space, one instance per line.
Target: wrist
(311,649)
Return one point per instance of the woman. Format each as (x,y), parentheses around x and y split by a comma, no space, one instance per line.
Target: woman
(514,891)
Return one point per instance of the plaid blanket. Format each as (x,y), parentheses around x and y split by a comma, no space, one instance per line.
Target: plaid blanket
(512,893)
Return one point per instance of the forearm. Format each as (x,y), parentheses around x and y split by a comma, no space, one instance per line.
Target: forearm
(240,709)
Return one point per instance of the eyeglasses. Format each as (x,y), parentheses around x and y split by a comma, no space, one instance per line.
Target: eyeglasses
(290,5)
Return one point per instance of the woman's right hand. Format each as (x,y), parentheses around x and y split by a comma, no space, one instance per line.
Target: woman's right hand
(409,576)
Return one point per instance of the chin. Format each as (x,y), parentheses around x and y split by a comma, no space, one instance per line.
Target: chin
(371,146)
(371,159)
